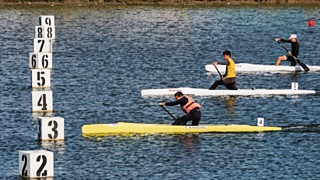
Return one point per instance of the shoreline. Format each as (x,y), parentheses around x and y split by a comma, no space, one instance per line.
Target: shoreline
(155,2)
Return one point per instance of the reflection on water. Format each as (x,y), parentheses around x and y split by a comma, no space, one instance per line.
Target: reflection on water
(230,105)
(189,154)
(56,146)
(189,142)
(35,116)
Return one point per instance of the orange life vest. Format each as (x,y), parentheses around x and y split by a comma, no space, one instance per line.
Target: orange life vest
(191,104)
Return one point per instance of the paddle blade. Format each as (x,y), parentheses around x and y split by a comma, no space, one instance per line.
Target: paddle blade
(304,66)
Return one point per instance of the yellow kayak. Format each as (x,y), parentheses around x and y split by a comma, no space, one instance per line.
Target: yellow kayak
(142,128)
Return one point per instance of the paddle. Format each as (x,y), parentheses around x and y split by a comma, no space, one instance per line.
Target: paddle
(218,71)
(168,112)
(305,67)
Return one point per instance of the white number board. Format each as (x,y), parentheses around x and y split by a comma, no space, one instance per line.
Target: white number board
(46,21)
(260,121)
(36,164)
(294,86)
(51,128)
(40,60)
(42,45)
(42,101)
(41,78)
(45,32)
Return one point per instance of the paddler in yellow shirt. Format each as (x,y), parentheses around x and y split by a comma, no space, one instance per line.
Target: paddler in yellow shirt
(229,78)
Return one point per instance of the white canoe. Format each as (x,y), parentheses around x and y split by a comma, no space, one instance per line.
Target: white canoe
(207,92)
(246,67)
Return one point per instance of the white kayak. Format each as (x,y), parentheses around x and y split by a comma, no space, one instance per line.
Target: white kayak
(207,92)
(246,67)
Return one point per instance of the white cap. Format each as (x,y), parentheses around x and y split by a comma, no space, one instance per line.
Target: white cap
(293,36)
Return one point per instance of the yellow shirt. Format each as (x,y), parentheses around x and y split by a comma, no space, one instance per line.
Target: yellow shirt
(230,69)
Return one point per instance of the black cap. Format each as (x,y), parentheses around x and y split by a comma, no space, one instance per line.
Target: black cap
(179,93)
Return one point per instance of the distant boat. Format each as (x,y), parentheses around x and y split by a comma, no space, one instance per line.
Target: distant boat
(142,128)
(246,67)
(207,92)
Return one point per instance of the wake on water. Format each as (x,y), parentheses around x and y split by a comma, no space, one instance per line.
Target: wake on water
(302,128)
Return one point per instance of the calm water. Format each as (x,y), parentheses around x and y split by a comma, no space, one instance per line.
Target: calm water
(104,57)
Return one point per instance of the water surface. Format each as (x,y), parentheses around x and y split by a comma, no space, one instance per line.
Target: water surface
(104,57)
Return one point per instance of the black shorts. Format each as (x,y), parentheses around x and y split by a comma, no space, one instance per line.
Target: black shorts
(194,116)
(291,60)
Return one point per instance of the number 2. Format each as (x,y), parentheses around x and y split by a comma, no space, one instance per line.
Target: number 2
(24,171)
(43,164)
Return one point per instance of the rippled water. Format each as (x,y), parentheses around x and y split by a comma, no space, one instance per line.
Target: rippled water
(104,57)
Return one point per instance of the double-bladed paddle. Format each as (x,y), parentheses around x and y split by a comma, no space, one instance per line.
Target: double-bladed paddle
(305,67)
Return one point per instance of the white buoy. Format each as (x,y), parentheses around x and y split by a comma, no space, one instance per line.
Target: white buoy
(42,101)
(294,86)
(42,45)
(51,128)
(260,121)
(41,78)
(40,60)
(36,164)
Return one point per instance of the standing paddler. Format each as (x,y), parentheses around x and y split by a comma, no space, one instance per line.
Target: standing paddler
(229,78)
(189,106)
(294,50)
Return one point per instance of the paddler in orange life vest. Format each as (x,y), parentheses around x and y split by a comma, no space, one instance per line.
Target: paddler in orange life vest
(189,106)
(229,78)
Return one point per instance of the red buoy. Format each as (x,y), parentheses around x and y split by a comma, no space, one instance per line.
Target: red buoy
(311,23)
